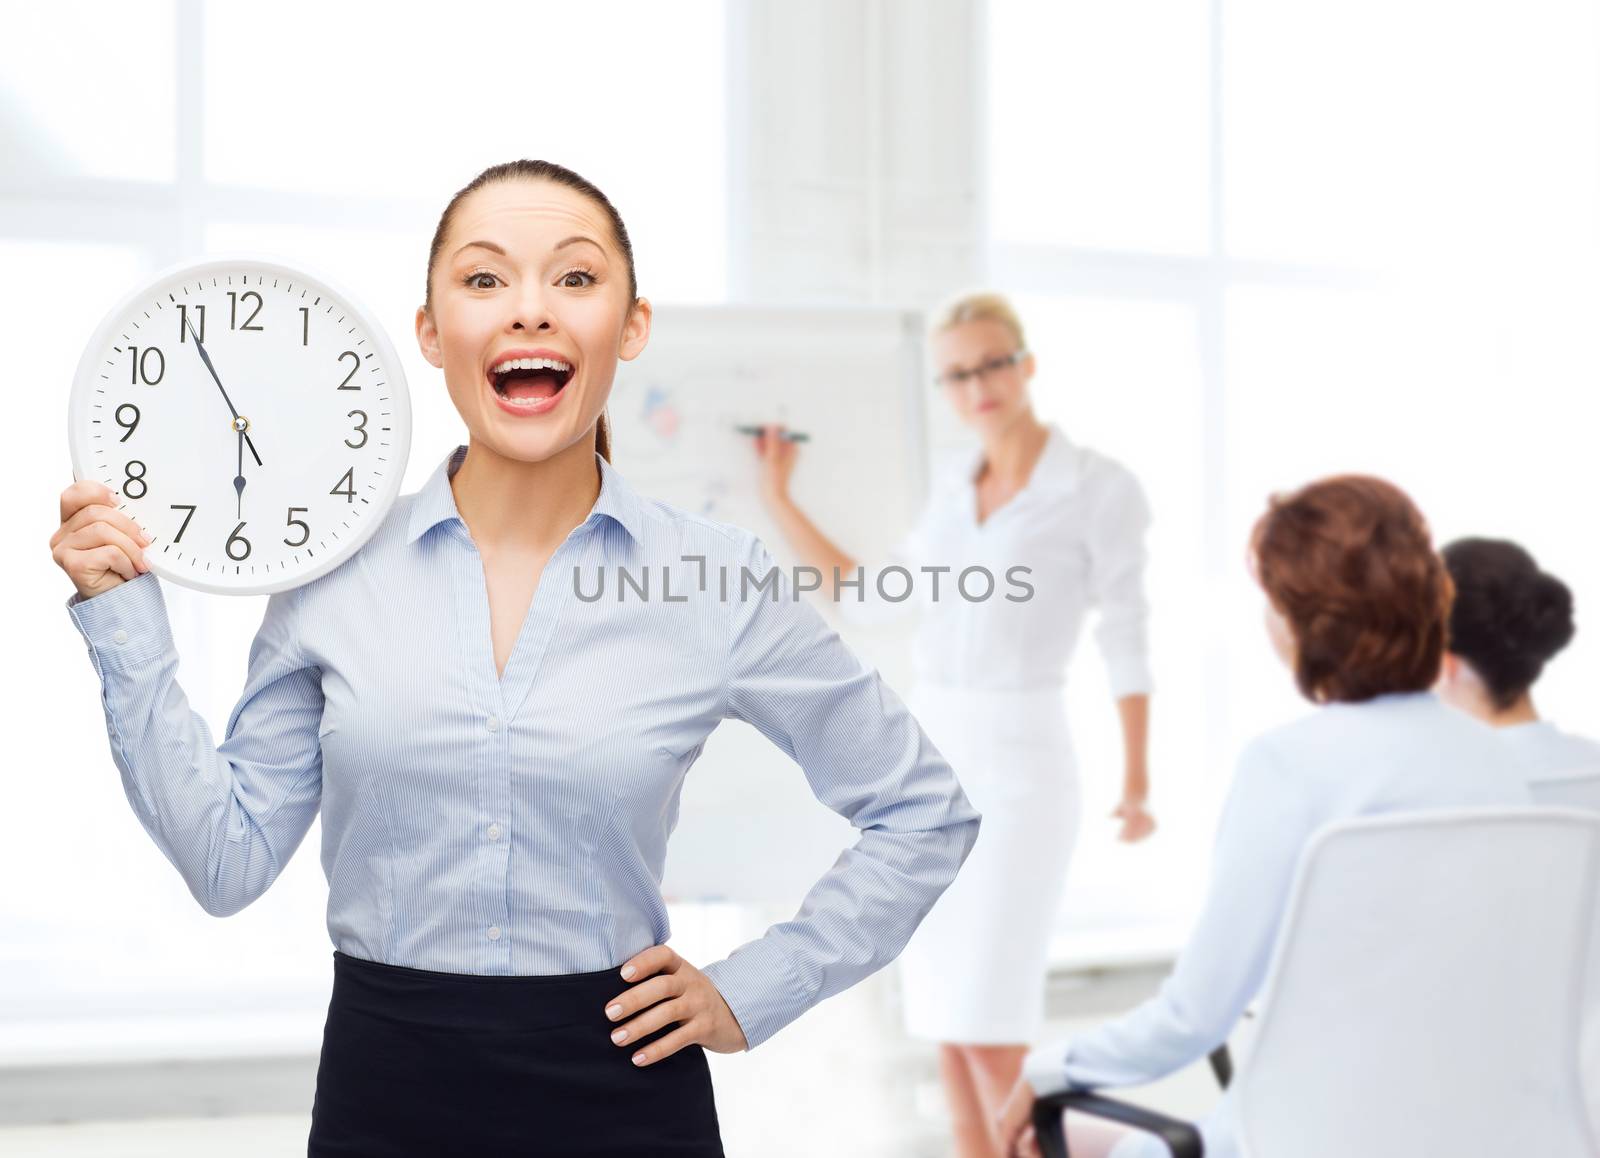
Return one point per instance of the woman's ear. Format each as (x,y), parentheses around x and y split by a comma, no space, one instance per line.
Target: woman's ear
(1458,685)
(428,338)
(1280,633)
(635,331)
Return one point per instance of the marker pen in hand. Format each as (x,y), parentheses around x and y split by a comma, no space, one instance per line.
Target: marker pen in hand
(784,435)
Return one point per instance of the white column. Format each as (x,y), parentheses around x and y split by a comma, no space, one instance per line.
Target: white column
(855,150)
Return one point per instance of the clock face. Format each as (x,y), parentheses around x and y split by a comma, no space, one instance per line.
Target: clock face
(251,417)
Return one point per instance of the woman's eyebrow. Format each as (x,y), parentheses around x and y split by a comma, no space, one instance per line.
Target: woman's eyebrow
(573,240)
(481,244)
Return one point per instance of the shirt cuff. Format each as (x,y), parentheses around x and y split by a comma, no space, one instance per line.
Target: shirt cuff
(762,988)
(1129,676)
(124,626)
(1045,1069)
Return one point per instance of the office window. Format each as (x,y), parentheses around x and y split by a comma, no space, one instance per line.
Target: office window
(1385,135)
(1395,271)
(58,63)
(446,95)
(1097,123)
(1124,377)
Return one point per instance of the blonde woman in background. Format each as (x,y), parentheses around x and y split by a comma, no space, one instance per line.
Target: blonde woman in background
(990,674)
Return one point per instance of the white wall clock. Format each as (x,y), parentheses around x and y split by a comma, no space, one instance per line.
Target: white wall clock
(252,417)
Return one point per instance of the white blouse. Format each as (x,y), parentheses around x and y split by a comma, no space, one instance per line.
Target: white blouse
(1398,752)
(1078,525)
(1562,769)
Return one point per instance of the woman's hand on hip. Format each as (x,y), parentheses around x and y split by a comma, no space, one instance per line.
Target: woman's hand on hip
(668,989)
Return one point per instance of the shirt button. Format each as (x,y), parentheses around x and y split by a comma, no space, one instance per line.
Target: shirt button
(120,636)
(494,832)
(494,932)
(492,723)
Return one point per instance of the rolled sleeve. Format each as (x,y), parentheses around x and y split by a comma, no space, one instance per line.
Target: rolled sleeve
(1118,519)
(865,757)
(227,816)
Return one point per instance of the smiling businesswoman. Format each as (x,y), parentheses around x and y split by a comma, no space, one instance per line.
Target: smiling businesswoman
(498,757)
(990,675)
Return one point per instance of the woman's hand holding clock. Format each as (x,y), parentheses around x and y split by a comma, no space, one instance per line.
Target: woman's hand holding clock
(97,545)
(681,993)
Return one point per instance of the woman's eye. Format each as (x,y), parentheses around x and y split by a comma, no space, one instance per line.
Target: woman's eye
(583,277)
(472,279)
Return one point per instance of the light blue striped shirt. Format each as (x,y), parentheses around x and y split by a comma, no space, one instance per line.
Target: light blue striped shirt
(473,823)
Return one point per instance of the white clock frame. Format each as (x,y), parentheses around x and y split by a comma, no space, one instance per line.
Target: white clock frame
(91,381)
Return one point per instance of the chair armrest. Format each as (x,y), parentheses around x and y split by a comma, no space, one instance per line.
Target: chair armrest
(1221,1058)
(1222,1065)
(1181,1138)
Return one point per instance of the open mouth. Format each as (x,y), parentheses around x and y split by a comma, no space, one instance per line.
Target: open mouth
(527,381)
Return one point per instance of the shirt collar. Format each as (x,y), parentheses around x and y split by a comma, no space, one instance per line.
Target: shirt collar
(1529,728)
(1057,468)
(435,503)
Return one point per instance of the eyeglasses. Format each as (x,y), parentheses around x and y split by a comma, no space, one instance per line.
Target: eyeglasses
(991,366)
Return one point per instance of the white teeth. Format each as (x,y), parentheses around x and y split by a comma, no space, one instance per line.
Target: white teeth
(529,364)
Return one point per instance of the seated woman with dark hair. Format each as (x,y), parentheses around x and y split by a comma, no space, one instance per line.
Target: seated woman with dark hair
(1509,620)
(1357,604)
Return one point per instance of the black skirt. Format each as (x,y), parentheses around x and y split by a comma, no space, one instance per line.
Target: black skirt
(430,1064)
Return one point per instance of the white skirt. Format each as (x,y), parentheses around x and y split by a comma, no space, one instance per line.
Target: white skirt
(974,970)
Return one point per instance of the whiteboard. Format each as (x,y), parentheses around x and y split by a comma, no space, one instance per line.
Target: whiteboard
(852,378)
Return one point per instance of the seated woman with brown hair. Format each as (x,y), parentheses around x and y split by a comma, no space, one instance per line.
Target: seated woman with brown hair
(1357,605)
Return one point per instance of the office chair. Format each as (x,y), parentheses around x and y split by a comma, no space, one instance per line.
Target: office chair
(1433,988)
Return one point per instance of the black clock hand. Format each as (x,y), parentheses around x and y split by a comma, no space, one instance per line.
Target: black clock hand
(206,358)
(238,481)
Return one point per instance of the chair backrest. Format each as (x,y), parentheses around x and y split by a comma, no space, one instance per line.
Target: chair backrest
(1428,992)
(1581,790)
(1576,791)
